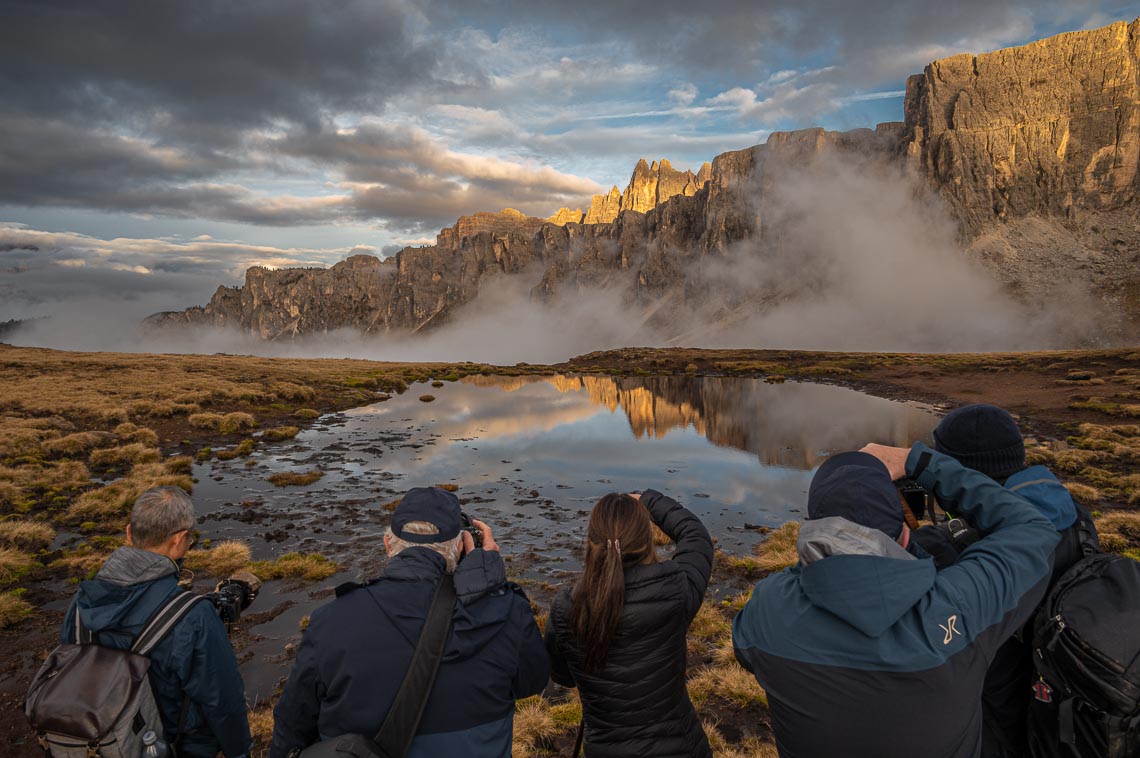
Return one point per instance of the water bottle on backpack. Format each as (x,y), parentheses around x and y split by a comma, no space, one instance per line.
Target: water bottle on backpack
(154,746)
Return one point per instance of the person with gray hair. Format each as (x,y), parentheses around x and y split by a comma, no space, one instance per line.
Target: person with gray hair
(357,649)
(193,672)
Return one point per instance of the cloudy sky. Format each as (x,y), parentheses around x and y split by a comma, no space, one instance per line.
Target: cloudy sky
(156,148)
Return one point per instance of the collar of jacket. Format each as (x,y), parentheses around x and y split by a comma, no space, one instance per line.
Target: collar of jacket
(820,538)
(867,582)
(129,565)
(479,573)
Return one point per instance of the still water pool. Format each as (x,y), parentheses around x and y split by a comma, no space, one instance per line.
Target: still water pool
(530,455)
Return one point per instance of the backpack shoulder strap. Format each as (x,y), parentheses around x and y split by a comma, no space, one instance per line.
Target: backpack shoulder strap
(163,621)
(404,716)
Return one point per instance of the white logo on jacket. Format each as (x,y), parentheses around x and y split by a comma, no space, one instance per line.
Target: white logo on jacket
(951,629)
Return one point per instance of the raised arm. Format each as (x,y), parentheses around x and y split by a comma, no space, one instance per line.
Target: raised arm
(1000,578)
(694,554)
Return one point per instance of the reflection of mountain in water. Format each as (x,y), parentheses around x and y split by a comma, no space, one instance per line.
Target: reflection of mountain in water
(786,424)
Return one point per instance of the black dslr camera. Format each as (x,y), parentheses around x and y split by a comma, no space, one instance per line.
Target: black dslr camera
(475,532)
(916,498)
(232,596)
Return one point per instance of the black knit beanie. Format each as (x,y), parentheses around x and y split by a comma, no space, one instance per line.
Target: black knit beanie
(982,437)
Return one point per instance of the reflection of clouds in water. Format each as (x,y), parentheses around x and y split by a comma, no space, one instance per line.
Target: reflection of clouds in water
(790,424)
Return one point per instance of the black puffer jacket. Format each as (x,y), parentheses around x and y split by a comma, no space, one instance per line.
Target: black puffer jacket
(638,704)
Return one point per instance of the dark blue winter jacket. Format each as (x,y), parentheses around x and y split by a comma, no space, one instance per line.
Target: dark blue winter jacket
(355,651)
(869,656)
(194,660)
(1005,698)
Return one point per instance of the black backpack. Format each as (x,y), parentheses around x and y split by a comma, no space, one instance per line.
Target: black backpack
(1086,655)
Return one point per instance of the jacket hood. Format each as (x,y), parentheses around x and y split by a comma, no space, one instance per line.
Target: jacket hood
(1038,485)
(109,600)
(479,573)
(869,583)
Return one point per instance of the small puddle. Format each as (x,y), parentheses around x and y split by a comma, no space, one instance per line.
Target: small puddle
(530,456)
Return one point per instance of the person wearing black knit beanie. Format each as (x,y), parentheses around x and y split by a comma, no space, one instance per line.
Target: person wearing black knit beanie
(986,438)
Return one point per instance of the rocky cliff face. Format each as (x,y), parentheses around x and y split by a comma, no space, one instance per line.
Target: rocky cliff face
(1048,128)
(649,186)
(1022,144)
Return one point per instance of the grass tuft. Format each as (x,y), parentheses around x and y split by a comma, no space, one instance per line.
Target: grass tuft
(221,560)
(296,478)
(26,535)
(14,563)
(13,609)
(310,567)
(778,551)
(280,433)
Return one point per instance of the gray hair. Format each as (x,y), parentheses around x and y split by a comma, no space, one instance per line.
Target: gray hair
(449,549)
(158,513)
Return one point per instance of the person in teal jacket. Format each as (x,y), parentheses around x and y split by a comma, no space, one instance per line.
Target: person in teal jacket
(866,651)
(194,665)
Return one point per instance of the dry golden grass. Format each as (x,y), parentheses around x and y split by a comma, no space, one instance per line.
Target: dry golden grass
(14,563)
(749,747)
(117,497)
(279,433)
(82,562)
(778,551)
(307,414)
(310,567)
(729,681)
(221,560)
(1083,493)
(261,724)
(709,623)
(244,448)
(73,445)
(124,455)
(27,535)
(534,725)
(228,423)
(1119,532)
(295,478)
(13,608)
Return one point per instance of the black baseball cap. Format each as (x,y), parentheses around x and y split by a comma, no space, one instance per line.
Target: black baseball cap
(430,504)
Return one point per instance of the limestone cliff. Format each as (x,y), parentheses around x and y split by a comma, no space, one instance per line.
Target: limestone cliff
(1047,128)
(1023,145)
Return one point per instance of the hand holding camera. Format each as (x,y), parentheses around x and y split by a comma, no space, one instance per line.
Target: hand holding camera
(476,534)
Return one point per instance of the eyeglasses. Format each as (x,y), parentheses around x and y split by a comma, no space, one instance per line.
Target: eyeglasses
(192,534)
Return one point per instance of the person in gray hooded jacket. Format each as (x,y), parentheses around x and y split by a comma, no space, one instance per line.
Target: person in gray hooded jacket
(194,667)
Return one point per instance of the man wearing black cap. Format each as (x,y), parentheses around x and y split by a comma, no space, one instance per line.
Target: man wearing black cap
(355,651)
(866,651)
(986,438)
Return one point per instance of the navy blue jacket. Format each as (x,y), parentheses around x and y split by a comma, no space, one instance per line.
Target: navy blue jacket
(195,659)
(1005,698)
(869,656)
(355,651)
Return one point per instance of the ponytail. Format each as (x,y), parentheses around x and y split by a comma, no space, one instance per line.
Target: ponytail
(599,596)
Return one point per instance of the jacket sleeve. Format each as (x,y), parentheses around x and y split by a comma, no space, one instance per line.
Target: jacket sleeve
(559,669)
(998,580)
(694,554)
(213,683)
(533,664)
(296,713)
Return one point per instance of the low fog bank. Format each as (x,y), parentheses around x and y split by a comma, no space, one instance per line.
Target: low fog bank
(852,257)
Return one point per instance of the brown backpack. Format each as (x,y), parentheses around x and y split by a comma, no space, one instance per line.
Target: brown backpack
(88,700)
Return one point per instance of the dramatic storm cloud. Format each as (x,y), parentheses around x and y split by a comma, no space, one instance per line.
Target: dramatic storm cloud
(283,125)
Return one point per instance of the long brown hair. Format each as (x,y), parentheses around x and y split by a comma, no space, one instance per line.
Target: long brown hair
(619,535)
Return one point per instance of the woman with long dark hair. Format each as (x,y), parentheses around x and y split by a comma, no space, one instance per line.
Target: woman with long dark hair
(618,634)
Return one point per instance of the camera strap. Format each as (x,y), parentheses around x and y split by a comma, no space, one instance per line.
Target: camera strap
(395,736)
(163,621)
